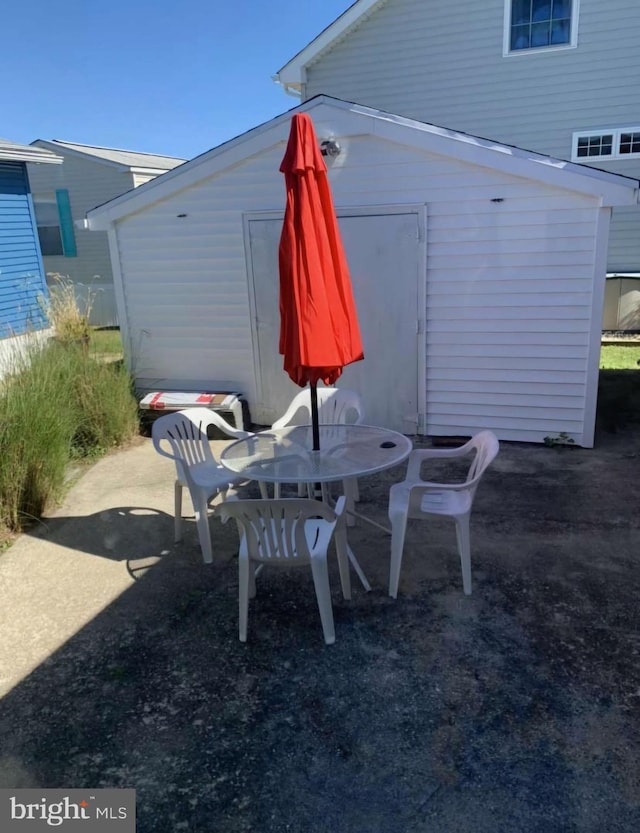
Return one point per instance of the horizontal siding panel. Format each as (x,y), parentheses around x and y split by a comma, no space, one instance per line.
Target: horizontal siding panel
(509,411)
(521,246)
(466,339)
(474,400)
(452,388)
(439,352)
(460,374)
(474,362)
(513,259)
(506,272)
(527,223)
(530,300)
(488,324)
(549,423)
(480,285)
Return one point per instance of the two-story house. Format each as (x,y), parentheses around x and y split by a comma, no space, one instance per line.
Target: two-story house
(88,176)
(558,77)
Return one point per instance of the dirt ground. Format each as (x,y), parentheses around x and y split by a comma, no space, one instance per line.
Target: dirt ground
(514,709)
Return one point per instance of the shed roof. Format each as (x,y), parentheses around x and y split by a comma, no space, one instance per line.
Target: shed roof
(292,75)
(130,159)
(355,120)
(14,152)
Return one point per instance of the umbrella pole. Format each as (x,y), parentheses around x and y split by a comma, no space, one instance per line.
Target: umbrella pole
(315,430)
(314,417)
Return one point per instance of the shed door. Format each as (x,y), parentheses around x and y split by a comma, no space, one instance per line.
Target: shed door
(383,251)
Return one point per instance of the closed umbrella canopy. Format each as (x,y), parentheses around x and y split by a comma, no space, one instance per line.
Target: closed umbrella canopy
(319,332)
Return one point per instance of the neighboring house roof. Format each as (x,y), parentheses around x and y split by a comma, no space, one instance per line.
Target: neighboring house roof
(13,152)
(128,159)
(611,189)
(292,75)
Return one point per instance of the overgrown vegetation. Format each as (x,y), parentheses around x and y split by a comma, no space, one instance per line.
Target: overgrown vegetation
(61,403)
(106,343)
(71,324)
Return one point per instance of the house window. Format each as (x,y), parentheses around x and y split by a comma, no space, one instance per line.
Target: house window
(540,25)
(630,142)
(48,221)
(622,143)
(55,225)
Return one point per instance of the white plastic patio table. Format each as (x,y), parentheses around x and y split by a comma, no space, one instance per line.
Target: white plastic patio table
(286,455)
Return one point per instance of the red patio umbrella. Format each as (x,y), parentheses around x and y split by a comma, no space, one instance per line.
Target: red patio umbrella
(319,332)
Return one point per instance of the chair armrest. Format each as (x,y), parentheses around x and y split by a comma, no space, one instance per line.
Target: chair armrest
(420,455)
(428,486)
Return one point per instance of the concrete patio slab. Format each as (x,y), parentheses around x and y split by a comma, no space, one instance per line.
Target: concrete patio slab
(515,709)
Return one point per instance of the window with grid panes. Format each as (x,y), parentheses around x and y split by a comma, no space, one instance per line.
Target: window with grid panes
(618,143)
(539,24)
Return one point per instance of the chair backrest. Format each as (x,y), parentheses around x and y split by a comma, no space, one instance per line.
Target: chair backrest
(336,406)
(185,434)
(484,446)
(275,529)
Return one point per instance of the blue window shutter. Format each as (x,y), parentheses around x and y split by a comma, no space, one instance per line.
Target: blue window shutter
(66,223)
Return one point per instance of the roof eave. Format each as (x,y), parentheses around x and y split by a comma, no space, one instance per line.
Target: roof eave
(610,189)
(38,158)
(291,75)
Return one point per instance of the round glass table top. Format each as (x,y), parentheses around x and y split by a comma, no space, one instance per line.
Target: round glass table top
(286,455)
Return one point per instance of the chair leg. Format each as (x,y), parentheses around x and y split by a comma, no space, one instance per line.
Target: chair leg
(177,511)
(464,550)
(350,487)
(320,573)
(202,522)
(244,579)
(342,551)
(398,531)
(252,579)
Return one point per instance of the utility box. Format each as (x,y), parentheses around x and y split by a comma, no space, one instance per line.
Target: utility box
(230,405)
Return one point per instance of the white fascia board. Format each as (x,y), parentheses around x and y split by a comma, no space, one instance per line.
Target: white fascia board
(612,189)
(9,154)
(236,150)
(150,171)
(292,73)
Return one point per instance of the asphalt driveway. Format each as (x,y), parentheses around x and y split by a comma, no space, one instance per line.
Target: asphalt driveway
(515,709)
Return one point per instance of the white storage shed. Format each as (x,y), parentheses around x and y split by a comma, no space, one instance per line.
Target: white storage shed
(478,273)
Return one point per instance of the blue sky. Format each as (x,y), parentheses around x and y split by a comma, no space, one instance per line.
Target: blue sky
(166,77)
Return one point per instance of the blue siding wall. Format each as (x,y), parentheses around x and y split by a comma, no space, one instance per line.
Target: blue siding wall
(22,280)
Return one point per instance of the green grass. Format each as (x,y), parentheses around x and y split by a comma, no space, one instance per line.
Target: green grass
(59,405)
(106,342)
(620,357)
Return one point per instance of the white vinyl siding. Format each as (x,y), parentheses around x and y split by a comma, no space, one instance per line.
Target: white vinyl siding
(509,284)
(443,63)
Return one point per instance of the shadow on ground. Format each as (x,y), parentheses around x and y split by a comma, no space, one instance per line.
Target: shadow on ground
(515,709)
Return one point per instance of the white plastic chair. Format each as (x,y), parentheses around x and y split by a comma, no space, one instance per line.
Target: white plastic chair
(289,533)
(336,406)
(418,498)
(182,437)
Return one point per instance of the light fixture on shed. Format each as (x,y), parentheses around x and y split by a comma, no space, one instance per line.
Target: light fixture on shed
(329,147)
